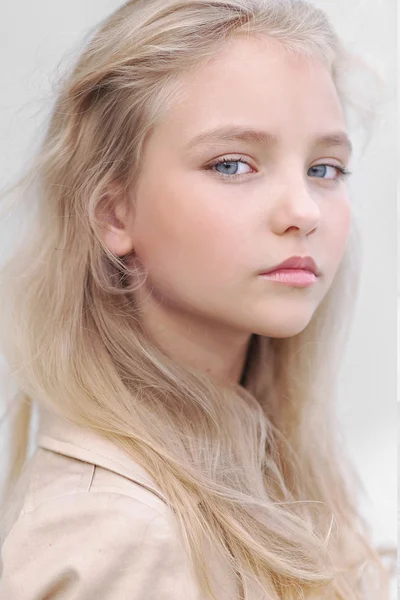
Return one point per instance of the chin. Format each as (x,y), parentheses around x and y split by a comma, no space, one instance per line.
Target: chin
(283,329)
(285,333)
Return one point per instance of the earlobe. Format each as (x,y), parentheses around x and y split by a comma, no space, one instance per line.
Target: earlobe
(118,241)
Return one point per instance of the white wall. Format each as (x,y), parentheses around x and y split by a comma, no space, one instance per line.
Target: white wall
(35,36)
(368,384)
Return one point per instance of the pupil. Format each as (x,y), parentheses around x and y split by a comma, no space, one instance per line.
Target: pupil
(323,167)
(229,165)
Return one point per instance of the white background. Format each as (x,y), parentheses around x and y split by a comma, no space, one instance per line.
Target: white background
(36,36)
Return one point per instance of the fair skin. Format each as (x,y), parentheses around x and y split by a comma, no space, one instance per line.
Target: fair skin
(204,240)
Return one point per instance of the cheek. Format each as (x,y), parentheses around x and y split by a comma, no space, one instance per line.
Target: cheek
(336,229)
(183,234)
(214,240)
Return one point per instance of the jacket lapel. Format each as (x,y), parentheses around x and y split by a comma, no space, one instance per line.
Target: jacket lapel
(59,435)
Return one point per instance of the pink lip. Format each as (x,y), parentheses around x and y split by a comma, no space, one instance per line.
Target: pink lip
(293,277)
(301,264)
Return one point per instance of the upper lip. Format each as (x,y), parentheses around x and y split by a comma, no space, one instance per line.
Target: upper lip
(296,262)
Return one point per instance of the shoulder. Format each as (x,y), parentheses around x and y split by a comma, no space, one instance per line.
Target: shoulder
(92,534)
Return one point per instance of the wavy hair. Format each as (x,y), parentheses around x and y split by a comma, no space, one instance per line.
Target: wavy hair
(257,468)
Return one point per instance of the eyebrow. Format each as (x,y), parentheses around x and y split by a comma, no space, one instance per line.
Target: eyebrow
(228,133)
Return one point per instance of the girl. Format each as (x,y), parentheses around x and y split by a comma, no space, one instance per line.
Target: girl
(177,314)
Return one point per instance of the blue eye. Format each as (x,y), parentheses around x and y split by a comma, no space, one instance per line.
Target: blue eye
(322,170)
(226,162)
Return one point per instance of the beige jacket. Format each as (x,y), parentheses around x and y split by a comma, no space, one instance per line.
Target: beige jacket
(88,523)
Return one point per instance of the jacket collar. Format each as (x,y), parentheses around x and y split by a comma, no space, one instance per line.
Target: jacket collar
(60,435)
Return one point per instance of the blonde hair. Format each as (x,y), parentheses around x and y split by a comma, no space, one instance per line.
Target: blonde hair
(258,469)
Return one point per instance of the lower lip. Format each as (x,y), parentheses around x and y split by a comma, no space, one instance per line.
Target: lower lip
(293,277)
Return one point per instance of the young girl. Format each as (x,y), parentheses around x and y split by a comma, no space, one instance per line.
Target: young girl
(177,314)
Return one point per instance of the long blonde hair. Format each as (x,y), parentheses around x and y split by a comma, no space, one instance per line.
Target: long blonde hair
(259,469)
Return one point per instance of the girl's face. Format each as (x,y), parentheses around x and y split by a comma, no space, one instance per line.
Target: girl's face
(205,232)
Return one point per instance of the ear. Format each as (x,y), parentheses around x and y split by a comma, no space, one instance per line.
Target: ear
(114,216)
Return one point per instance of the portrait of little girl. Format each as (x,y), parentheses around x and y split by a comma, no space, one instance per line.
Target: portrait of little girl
(177,314)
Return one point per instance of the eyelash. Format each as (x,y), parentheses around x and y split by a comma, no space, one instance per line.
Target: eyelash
(343,172)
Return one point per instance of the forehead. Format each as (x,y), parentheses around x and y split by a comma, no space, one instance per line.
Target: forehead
(258,83)
(254,66)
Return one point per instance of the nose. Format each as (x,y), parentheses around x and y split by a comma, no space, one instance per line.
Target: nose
(296,209)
